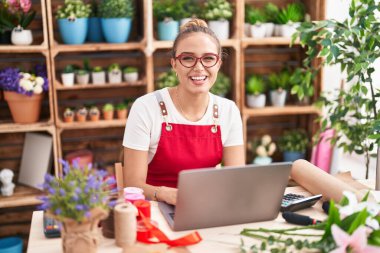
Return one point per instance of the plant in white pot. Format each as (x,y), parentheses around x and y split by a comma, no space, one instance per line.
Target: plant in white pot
(256,19)
(82,76)
(67,75)
(278,85)
(131,74)
(23,17)
(353,112)
(114,73)
(255,92)
(218,13)
(98,75)
(271,12)
(190,9)
(290,18)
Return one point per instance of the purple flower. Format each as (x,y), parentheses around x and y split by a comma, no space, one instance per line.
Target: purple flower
(112,203)
(76,163)
(88,214)
(58,211)
(62,192)
(79,207)
(111,181)
(51,191)
(101,173)
(78,190)
(94,199)
(75,197)
(66,166)
(44,206)
(48,178)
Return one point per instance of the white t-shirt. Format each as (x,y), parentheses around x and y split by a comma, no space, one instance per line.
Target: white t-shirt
(143,128)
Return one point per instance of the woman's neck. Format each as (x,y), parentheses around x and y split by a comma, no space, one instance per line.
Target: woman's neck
(192,106)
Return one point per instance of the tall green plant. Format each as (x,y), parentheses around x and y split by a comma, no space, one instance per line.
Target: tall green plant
(116,9)
(355,45)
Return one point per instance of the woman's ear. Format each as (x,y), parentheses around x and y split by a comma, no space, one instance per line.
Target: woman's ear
(173,63)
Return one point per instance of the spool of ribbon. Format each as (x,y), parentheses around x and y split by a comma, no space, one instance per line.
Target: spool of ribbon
(143,206)
(125,224)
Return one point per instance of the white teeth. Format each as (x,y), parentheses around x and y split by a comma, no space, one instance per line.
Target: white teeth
(198,78)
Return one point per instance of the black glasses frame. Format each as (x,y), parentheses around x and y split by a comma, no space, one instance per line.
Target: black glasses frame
(178,57)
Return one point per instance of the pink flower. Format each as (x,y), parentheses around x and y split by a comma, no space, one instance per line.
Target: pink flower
(357,242)
(13,6)
(25,5)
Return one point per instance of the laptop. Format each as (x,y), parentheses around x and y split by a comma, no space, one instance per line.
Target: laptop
(230,195)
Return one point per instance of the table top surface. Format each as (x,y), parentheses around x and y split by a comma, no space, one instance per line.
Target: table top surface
(218,239)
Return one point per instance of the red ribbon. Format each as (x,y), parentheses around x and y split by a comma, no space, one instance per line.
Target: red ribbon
(154,232)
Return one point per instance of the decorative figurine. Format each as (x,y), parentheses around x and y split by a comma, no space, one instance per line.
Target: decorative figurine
(6,176)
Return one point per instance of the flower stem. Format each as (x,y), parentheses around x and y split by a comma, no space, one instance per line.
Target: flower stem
(316,226)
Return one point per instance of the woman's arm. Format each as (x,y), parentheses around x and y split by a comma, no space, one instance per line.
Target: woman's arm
(135,173)
(233,155)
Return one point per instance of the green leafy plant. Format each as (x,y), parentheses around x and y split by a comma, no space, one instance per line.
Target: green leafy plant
(255,15)
(69,68)
(191,8)
(168,9)
(114,67)
(97,69)
(294,140)
(68,112)
(73,9)
(217,10)
(94,110)
(255,85)
(354,45)
(108,107)
(19,14)
(127,70)
(81,72)
(116,9)
(94,8)
(77,193)
(302,83)
(121,106)
(6,18)
(271,11)
(293,12)
(167,79)
(346,222)
(279,81)
(222,85)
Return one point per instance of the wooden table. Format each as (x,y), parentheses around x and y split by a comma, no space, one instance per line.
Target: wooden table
(219,239)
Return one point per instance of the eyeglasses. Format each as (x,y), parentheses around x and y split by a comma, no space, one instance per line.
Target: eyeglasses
(189,60)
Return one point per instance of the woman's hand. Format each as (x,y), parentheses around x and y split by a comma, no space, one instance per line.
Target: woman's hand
(167,194)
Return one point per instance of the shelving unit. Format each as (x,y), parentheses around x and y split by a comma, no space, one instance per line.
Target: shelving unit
(246,56)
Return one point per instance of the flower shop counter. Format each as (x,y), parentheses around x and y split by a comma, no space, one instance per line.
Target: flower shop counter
(219,239)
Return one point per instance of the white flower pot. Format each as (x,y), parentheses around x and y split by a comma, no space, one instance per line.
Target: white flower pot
(258,31)
(98,77)
(67,79)
(131,77)
(278,98)
(277,30)
(256,101)
(114,77)
(83,79)
(21,37)
(289,29)
(247,29)
(269,29)
(221,28)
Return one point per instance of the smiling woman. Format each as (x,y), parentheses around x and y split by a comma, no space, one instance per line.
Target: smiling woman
(182,127)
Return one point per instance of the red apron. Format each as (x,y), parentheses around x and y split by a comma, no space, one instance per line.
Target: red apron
(183,147)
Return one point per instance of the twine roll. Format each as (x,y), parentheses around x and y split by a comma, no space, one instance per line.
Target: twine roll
(125,224)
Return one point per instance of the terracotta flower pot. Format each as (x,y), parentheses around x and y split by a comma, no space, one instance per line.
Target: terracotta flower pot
(108,115)
(24,109)
(69,119)
(122,114)
(94,117)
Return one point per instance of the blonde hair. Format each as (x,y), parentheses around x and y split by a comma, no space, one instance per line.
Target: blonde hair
(193,26)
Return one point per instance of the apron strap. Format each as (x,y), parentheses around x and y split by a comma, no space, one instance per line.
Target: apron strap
(215,115)
(163,109)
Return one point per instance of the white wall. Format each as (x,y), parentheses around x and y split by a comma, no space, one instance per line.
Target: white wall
(338,9)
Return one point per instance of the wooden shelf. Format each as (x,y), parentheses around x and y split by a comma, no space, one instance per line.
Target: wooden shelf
(245,42)
(92,124)
(13,127)
(22,196)
(286,110)
(23,49)
(139,83)
(165,44)
(91,47)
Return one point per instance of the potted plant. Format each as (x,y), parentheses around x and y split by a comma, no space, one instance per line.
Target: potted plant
(82,76)
(94,113)
(263,149)
(6,24)
(24,92)
(23,17)
(121,110)
(72,20)
(114,73)
(67,75)
(116,19)
(167,79)
(190,9)
(255,89)
(68,115)
(353,111)
(218,13)
(98,75)
(95,32)
(79,199)
(301,82)
(131,74)
(256,19)
(222,85)
(290,18)
(293,144)
(271,12)
(167,13)
(108,110)
(278,85)
(81,114)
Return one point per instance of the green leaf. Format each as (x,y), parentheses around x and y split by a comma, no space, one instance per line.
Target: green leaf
(335,51)
(360,220)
